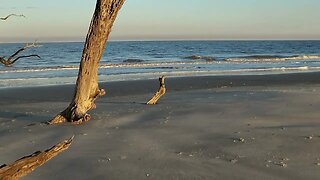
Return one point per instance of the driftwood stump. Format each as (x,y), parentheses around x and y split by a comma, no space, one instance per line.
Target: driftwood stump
(159,93)
(27,164)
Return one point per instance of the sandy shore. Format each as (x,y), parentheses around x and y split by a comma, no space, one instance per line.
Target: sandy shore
(224,127)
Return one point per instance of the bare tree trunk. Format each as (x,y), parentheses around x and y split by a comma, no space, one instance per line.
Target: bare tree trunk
(87,89)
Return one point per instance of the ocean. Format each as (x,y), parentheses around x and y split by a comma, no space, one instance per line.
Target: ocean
(134,60)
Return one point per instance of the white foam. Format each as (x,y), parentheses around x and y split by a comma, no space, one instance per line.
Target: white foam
(29,82)
(271,58)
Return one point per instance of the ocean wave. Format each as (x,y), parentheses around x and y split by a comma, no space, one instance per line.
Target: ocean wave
(197,57)
(133,61)
(136,63)
(258,58)
(289,69)
(45,81)
(101,66)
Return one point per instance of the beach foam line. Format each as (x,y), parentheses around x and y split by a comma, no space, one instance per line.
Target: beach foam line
(102,66)
(257,58)
(40,81)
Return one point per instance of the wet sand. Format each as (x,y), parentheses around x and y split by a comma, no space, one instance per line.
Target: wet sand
(223,127)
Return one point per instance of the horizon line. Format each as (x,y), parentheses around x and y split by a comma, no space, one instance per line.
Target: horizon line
(157,40)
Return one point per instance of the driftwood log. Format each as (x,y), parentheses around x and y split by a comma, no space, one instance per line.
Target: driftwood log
(29,163)
(87,88)
(159,93)
(10,15)
(13,58)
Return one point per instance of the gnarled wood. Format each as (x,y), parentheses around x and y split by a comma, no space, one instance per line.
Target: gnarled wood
(12,59)
(10,15)
(160,93)
(29,163)
(87,89)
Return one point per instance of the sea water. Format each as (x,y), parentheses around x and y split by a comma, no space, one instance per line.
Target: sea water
(135,60)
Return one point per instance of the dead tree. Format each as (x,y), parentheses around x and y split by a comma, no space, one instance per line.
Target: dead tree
(13,58)
(10,15)
(29,163)
(159,93)
(87,89)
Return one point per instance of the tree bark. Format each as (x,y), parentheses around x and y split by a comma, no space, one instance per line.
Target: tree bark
(27,164)
(87,89)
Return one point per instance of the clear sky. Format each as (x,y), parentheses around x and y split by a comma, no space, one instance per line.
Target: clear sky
(68,20)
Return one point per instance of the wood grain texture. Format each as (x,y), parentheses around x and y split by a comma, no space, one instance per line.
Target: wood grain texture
(29,163)
(87,88)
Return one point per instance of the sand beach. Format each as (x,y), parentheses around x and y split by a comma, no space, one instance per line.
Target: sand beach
(214,127)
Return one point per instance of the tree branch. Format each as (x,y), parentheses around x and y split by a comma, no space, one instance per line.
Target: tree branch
(27,46)
(16,15)
(27,164)
(32,55)
(9,62)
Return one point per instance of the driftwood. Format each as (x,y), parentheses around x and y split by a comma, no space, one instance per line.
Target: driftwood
(12,59)
(27,164)
(10,15)
(87,88)
(160,93)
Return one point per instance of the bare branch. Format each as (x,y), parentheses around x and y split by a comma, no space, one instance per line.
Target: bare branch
(10,15)
(33,45)
(27,164)
(9,62)
(32,55)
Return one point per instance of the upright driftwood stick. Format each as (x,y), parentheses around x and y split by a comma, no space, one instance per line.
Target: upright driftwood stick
(29,163)
(87,89)
(160,93)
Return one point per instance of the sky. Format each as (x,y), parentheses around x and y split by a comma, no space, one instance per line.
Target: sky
(68,20)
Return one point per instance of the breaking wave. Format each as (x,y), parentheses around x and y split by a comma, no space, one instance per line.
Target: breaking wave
(197,57)
(133,61)
(258,58)
(102,66)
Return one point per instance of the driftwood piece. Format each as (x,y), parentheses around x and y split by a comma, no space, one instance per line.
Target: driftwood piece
(160,93)
(87,88)
(12,59)
(27,164)
(10,15)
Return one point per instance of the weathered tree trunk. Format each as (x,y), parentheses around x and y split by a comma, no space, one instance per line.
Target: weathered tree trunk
(27,164)
(87,89)
(159,93)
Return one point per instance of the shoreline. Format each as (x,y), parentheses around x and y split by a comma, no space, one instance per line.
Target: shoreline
(183,83)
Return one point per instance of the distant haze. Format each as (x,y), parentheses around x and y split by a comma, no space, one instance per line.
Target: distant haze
(66,20)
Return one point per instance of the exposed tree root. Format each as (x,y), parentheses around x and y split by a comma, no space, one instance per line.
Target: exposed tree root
(160,93)
(27,164)
(11,60)
(10,15)
(72,113)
